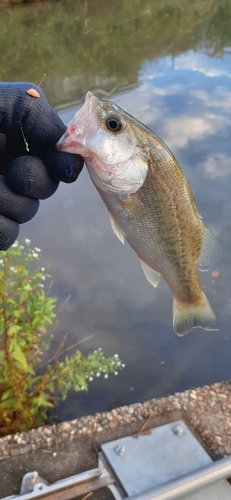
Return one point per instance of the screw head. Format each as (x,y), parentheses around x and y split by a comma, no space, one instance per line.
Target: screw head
(120,450)
(178,430)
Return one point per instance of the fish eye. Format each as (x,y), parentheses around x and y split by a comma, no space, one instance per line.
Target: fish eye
(113,123)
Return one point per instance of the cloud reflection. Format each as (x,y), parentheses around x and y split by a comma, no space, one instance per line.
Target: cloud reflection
(216,166)
(199,62)
(186,101)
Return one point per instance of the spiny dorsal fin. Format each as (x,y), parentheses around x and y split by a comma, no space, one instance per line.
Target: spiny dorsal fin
(115,228)
(211,250)
(152,276)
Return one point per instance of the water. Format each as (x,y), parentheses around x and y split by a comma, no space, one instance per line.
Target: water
(170,66)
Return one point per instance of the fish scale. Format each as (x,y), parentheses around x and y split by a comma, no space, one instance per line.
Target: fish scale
(148,222)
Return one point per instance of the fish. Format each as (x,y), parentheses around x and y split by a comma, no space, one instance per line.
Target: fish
(150,204)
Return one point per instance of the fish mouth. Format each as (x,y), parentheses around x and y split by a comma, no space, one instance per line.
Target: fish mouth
(81,129)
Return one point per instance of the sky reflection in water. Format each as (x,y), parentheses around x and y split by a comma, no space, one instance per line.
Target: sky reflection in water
(187,102)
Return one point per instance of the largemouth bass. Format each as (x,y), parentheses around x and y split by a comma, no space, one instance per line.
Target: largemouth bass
(150,204)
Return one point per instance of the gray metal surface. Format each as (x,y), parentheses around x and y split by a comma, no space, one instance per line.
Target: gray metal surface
(69,488)
(206,483)
(149,461)
(29,481)
(167,464)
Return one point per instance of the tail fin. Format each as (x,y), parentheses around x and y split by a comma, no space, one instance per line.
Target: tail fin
(188,316)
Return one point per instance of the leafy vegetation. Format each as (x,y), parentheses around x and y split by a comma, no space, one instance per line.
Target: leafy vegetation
(27,391)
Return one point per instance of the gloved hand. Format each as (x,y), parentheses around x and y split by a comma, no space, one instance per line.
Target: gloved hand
(30,166)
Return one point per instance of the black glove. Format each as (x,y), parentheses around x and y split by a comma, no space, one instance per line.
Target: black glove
(30,166)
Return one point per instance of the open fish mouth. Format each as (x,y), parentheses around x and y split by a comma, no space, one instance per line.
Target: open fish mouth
(82,128)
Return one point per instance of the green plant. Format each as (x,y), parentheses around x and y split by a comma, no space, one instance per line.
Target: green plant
(25,313)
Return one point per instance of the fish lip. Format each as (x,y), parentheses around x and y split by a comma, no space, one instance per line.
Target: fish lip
(90,99)
(70,139)
(61,145)
(61,141)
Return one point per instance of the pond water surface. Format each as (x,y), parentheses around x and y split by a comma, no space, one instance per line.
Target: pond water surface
(169,64)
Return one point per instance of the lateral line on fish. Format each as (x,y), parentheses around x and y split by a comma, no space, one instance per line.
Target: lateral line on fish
(177,223)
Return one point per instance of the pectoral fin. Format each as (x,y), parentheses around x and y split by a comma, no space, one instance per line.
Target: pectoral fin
(152,276)
(211,250)
(115,228)
(130,201)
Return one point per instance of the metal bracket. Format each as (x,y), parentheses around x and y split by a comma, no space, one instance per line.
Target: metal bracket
(167,464)
(29,481)
(34,487)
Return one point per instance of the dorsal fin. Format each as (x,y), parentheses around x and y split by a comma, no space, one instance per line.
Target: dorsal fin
(115,228)
(152,276)
(211,250)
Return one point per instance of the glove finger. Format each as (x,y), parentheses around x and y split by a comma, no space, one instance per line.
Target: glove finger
(65,167)
(14,206)
(41,125)
(9,230)
(23,114)
(27,175)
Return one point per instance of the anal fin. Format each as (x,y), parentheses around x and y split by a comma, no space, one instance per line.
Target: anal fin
(152,276)
(115,228)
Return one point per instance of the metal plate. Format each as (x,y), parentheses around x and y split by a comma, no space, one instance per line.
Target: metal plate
(217,491)
(167,452)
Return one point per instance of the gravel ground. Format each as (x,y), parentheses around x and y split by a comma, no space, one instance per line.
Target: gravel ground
(71,447)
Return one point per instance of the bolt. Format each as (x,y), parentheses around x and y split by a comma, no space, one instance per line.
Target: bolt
(40,486)
(120,450)
(178,430)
